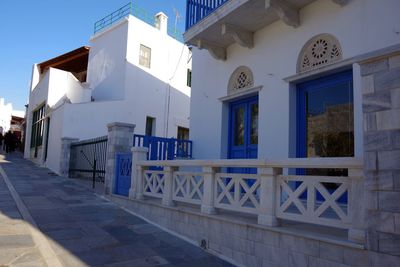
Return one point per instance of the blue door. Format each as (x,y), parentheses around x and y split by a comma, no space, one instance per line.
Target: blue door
(123,173)
(243,130)
(325,125)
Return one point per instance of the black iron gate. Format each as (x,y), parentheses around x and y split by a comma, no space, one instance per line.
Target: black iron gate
(88,159)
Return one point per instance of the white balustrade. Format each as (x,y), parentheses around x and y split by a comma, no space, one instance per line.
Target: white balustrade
(272,196)
(237,192)
(188,187)
(314,199)
(153,183)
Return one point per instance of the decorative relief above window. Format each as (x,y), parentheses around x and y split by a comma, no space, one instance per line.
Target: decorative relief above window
(241,79)
(321,50)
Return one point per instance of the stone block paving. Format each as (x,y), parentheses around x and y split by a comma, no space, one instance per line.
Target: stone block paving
(17,247)
(86,230)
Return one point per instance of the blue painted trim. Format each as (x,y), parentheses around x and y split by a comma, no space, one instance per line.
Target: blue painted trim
(246,102)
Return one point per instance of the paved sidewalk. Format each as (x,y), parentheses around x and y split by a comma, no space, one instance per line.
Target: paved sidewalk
(17,247)
(86,230)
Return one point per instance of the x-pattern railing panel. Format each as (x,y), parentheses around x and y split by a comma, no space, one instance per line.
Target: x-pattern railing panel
(238,192)
(188,187)
(297,199)
(153,183)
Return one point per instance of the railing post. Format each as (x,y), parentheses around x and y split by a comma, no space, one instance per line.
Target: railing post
(356,206)
(268,177)
(168,186)
(207,205)
(138,154)
(120,139)
(65,156)
(139,189)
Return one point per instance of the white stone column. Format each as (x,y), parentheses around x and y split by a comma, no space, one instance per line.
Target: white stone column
(268,178)
(168,186)
(65,155)
(207,206)
(120,139)
(138,154)
(357,232)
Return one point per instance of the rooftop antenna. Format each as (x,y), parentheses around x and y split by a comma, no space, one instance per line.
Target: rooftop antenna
(177,16)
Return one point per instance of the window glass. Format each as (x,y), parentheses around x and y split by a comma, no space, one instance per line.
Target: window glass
(37,126)
(145,56)
(239,126)
(183,133)
(329,122)
(254,124)
(189,78)
(150,126)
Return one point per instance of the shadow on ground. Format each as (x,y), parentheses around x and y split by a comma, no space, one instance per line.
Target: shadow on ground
(86,230)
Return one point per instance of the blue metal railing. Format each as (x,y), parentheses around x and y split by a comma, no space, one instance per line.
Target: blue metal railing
(161,148)
(113,17)
(138,12)
(196,10)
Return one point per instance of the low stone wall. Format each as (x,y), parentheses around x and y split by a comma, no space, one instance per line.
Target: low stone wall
(248,244)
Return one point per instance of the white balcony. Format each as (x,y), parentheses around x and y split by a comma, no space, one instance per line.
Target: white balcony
(216,26)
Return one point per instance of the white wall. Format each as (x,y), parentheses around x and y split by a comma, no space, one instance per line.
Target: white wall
(359,27)
(54,88)
(54,142)
(150,89)
(106,67)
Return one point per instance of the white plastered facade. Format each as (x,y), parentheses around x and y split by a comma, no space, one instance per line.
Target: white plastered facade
(360,27)
(117,89)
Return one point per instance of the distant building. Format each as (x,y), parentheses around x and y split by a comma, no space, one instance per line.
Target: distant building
(132,72)
(5,116)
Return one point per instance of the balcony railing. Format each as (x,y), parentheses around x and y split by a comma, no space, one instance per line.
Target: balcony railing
(196,10)
(161,148)
(138,12)
(271,194)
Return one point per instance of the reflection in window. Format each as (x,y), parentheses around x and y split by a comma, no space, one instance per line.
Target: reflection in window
(330,123)
(239,126)
(254,125)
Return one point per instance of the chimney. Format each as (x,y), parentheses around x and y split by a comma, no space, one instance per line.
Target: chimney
(162,22)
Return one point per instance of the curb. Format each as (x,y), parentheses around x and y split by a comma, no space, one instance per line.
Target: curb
(47,252)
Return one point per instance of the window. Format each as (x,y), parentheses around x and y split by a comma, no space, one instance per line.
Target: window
(145,56)
(189,78)
(326,119)
(183,133)
(150,126)
(37,126)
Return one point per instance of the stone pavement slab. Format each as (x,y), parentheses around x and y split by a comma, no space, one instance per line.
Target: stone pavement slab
(17,247)
(84,229)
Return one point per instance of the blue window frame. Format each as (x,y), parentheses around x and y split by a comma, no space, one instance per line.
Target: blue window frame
(325,126)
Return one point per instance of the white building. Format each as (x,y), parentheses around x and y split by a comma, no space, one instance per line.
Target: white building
(295,122)
(133,72)
(270,59)
(5,116)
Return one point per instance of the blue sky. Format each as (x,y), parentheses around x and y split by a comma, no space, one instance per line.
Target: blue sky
(32,31)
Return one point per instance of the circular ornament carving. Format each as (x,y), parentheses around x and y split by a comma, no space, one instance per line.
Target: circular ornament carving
(321,50)
(240,79)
